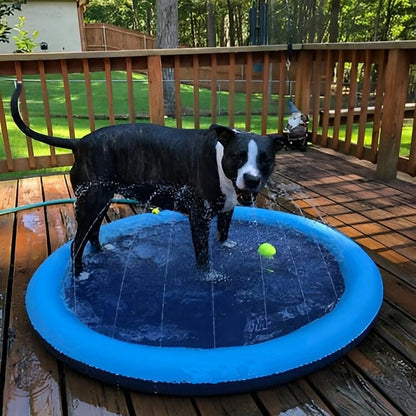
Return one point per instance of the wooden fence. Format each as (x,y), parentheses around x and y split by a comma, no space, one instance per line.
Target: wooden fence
(359,96)
(106,37)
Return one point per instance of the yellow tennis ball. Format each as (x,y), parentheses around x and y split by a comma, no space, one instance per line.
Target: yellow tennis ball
(155,211)
(266,250)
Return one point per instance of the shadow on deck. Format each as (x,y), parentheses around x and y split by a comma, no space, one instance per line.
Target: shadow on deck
(375,378)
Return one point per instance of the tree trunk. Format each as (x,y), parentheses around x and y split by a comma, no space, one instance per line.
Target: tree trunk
(334,24)
(211,40)
(387,23)
(231,23)
(167,37)
(135,23)
(320,22)
(312,22)
(149,20)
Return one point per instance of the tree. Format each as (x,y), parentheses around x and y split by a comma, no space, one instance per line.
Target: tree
(167,37)
(116,12)
(231,31)
(143,12)
(167,24)
(226,22)
(130,14)
(211,37)
(333,20)
(24,41)
(6,9)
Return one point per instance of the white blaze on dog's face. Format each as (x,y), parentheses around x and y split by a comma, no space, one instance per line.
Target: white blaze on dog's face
(248,176)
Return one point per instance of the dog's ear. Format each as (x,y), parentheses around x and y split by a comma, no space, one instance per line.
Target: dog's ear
(279,142)
(224,134)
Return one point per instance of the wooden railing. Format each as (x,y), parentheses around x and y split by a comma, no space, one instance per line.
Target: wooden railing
(359,96)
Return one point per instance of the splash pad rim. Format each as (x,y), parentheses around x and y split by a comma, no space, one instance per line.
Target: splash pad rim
(226,370)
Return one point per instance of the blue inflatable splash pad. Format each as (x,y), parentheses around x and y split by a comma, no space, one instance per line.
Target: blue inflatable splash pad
(141,315)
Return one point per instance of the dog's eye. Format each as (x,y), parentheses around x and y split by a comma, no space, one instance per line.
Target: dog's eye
(240,157)
(265,159)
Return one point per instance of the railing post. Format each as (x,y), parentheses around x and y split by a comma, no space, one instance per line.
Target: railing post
(396,80)
(154,70)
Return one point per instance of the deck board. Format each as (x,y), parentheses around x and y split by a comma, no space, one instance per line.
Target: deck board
(297,396)
(88,397)
(31,374)
(8,198)
(377,377)
(378,361)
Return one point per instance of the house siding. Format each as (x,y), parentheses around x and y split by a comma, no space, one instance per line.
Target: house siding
(57,22)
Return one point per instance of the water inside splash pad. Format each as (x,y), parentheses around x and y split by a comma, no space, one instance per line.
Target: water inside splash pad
(168,328)
(144,287)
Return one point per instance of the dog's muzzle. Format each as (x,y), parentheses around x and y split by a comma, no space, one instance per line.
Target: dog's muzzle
(246,198)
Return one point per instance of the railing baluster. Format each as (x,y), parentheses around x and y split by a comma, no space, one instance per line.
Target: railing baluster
(411,169)
(130,94)
(67,94)
(317,76)
(214,109)
(5,134)
(231,89)
(327,97)
(282,91)
(195,81)
(265,92)
(178,101)
(46,109)
(155,83)
(248,77)
(365,93)
(351,102)
(378,105)
(23,109)
(306,77)
(88,90)
(109,85)
(338,100)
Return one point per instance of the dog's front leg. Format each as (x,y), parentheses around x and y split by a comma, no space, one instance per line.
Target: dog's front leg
(200,238)
(223,225)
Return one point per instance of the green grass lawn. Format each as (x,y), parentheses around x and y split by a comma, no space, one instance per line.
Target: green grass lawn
(119,87)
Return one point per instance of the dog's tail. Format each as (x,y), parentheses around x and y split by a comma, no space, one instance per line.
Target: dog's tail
(52,141)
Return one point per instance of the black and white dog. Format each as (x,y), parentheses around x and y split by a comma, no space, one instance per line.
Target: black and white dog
(200,173)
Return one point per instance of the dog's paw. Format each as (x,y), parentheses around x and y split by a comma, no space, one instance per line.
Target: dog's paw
(229,244)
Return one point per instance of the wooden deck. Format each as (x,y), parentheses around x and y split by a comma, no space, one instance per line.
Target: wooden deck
(376,378)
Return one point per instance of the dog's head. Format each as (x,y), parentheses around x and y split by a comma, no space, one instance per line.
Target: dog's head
(247,160)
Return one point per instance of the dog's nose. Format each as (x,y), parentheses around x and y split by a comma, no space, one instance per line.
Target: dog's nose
(251,181)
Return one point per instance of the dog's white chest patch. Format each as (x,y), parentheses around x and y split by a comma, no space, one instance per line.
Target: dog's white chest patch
(250,167)
(226,184)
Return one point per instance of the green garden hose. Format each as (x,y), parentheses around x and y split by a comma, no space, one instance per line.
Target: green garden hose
(59,201)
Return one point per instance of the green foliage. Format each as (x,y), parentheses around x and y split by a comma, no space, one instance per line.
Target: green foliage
(358,21)
(6,9)
(130,14)
(295,20)
(381,20)
(23,40)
